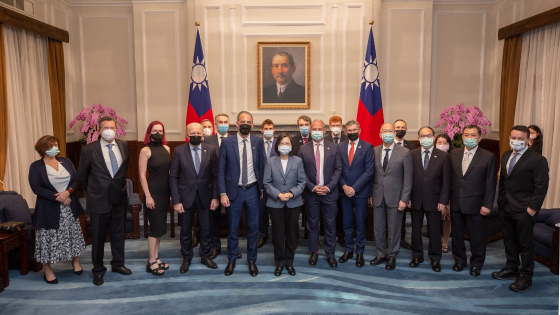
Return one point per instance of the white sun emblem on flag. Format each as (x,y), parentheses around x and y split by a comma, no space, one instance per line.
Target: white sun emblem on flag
(198,75)
(370,73)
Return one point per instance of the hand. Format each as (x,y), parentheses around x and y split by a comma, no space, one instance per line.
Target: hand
(224,200)
(370,201)
(283,197)
(409,204)
(531,212)
(61,196)
(262,194)
(214,204)
(484,211)
(448,208)
(150,202)
(316,189)
(349,191)
(441,207)
(402,205)
(323,191)
(67,201)
(178,207)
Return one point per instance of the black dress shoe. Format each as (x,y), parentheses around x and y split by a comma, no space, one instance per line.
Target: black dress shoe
(239,255)
(475,271)
(98,280)
(261,242)
(360,260)
(458,267)
(377,261)
(416,262)
(332,262)
(253,271)
(209,263)
(344,258)
(215,252)
(436,266)
(391,263)
(229,269)
(291,270)
(505,273)
(278,271)
(521,285)
(123,271)
(313,259)
(55,281)
(405,244)
(185,266)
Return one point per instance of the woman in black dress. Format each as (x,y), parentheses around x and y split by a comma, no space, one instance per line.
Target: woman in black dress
(154,158)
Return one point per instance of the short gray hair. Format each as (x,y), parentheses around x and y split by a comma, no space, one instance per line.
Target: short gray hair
(221,114)
(244,112)
(320,120)
(352,122)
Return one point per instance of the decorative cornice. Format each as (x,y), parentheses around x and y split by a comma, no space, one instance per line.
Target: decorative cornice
(456,2)
(117,3)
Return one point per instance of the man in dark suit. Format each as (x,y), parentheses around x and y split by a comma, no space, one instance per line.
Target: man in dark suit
(355,188)
(304,125)
(285,89)
(522,188)
(240,182)
(473,188)
(323,166)
(400,131)
(102,174)
(430,195)
(193,182)
(267,129)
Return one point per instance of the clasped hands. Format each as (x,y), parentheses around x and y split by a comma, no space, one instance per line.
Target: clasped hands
(285,196)
(63,197)
(349,191)
(321,190)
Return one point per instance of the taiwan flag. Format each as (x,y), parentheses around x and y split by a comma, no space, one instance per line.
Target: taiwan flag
(200,106)
(370,111)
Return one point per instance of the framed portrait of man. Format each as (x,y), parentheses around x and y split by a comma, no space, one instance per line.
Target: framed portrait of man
(283,75)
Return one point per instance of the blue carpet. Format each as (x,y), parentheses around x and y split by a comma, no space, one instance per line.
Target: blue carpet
(314,290)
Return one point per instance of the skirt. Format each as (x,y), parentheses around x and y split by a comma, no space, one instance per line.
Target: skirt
(54,245)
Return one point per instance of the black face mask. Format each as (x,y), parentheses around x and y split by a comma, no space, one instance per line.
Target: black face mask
(401,133)
(244,129)
(157,137)
(353,136)
(195,140)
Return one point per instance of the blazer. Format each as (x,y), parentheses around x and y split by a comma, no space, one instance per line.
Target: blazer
(395,183)
(332,168)
(47,209)
(102,190)
(431,186)
(229,169)
(358,176)
(294,93)
(272,152)
(343,137)
(527,184)
(297,142)
(477,188)
(277,182)
(409,145)
(184,183)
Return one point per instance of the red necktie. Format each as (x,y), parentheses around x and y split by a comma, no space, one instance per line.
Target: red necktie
(304,140)
(351,154)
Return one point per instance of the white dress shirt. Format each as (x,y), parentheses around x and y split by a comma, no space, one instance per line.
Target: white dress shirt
(251,178)
(519,154)
(281,88)
(424,154)
(59,179)
(383,152)
(322,153)
(220,139)
(355,146)
(284,165)
(107,158)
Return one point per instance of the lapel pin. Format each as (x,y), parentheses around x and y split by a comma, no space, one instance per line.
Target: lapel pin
(359,147)
(328,148)
(300,140)
(435,156)
(204,150)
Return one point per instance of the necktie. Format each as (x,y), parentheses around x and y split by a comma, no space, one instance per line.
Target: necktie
(351,154)
(113,158)
(280,94)
(317,164)
(466,161)
(399,143)
(386,159)
(304,140)
(268,147)
(426,159)
(244,177)
(221,140)
(336,140)
(512,162)
(196,160)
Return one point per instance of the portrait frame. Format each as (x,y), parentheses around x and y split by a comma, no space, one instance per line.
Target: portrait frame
(300,50)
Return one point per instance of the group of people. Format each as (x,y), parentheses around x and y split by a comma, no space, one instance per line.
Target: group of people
(322,176)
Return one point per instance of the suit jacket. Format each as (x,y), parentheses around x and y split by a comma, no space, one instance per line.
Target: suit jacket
(527,184)
(297,142)
(342,137)
(431,186)
(47,209)
(184,183)
(359,174)
(332,168)
(294,93)
(272,152)
(102,190)
(229,169)
(395,183)
(477,188)
(277,182)
(409,145)
(213,141)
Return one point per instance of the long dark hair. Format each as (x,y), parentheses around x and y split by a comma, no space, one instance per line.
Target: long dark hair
(539,138)
(446,137)
(280,138)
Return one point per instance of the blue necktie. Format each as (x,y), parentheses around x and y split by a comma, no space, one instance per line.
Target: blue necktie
(426,159)
(113,158)
(386,159)
(196,160)
(512,163)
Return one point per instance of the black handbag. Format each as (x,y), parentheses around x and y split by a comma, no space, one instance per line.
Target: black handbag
(12,226)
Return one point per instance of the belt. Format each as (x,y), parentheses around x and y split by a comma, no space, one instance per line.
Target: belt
(245,187)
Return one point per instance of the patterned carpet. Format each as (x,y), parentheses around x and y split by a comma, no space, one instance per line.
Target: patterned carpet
(314,290)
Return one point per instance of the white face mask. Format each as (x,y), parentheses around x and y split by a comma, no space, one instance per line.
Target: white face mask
(533,136)
(207,131)
(517,145)
(443,147)
(336,130)
(108,135)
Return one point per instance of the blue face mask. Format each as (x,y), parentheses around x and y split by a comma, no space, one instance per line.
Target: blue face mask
(304,131)
(223,129)
(268,134)
(426,143)
(52,151)
(317,135)
(284,149)
(470,142)
(388,137)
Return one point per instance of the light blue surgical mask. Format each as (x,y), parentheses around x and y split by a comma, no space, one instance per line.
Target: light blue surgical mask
(268,134)
(52,151)
(223,129)
(388,137)
(284,149)
(470,142)
(304,130)
(317,135)
(517,145)
(426,143)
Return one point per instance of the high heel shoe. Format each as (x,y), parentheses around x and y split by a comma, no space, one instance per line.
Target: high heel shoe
(55,281)
(78,272)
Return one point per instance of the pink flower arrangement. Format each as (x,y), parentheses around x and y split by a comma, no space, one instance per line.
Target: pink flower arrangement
(457,117)
(90,116)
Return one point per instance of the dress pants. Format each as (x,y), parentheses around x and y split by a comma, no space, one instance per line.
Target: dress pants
(517,229)
(263,217)
(434,223)
(214,221)
(250,199)
(284,231)
(403,226)
(354,217)
(314,209)
(187,222)
(475,227)
(339,220)
(113,221)
(387,230)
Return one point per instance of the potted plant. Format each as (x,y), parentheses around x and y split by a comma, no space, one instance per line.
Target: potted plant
(457,117)
(90,116)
